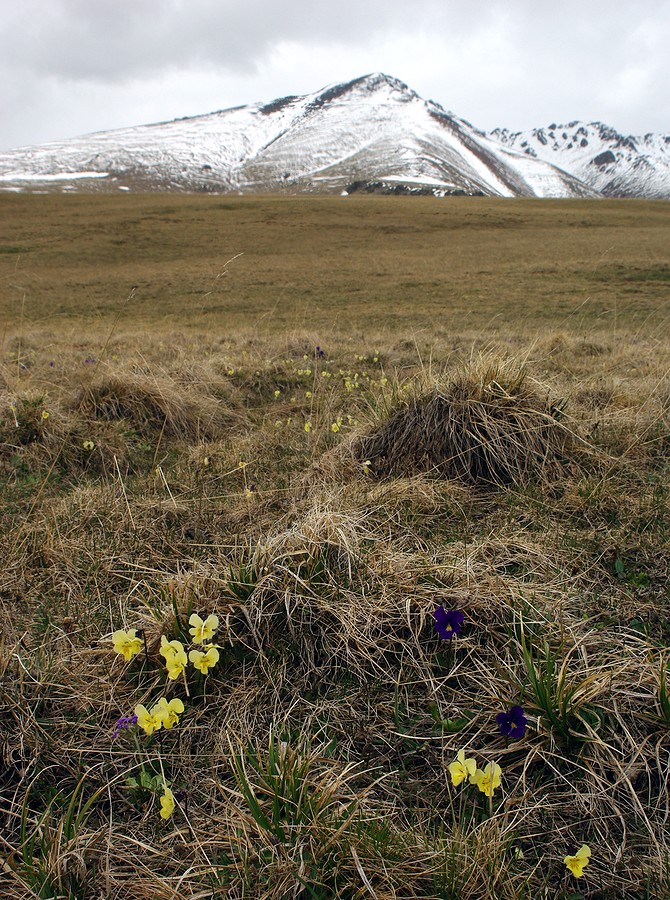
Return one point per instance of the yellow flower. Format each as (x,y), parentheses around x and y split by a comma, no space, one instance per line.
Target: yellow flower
(203,631)
(462,768)
(168,712)
(277,393)
(308,394)
(577,862)
(88,445)
(149,721)
(308,427)
(488,780)
(45,414)
(167,804)
(204,661)
(175,657)
(127,643)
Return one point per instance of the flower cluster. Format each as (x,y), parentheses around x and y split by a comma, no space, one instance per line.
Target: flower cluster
(486,779)
(202,631)
(123,723)
(165,714)
(175,657)
(512,724)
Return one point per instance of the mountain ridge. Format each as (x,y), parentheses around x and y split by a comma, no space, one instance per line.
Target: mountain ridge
(372,133)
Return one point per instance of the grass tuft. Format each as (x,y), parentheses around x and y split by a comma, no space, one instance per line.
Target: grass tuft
(490,425)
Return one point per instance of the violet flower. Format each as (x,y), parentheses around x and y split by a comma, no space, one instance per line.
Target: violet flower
(123,723)
(448,622)
(513,723)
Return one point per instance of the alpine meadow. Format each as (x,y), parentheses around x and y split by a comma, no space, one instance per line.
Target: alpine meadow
(336,547)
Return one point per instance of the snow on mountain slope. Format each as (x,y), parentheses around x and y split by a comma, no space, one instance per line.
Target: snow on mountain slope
(613,164)
(370,133)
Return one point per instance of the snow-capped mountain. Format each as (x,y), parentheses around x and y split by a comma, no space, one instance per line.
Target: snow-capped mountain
(614,164)
(373,133)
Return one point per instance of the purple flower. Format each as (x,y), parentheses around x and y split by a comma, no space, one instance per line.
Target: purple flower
(512,723)
(448,623)
(319,353)
(123,723)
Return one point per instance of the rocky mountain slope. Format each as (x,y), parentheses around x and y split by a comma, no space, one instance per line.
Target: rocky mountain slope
(615,165)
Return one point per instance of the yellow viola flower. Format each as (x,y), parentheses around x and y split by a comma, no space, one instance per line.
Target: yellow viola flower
(167,804)
(168,712)
(149,721)
(175,657)
(277,393)
(462,768)
(45,414)
(169,648)
(577,862)
(127,643)
(308,427)
(489,779)
(204,661)
(202,631)
(88,445)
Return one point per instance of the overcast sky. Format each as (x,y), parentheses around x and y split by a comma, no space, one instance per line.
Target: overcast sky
(68,67)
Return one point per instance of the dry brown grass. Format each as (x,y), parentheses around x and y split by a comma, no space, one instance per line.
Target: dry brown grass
(313,760)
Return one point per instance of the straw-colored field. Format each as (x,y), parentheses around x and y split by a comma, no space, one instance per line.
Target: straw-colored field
(320,420)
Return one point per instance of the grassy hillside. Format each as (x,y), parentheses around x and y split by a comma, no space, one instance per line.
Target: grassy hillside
(322,421)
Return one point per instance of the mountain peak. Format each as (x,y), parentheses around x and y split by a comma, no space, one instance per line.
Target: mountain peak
(376,81)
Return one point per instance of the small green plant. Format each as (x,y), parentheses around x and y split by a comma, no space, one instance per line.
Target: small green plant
(288,788)
(242,578)
(564,704)
(661,675)
(51,858)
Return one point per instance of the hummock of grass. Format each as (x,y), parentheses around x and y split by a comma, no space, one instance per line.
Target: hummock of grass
(323,505)
(487,426)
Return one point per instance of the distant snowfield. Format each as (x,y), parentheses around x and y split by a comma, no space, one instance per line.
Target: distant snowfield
(373,131)
(56,176)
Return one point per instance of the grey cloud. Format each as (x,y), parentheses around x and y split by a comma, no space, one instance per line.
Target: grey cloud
(510,62)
